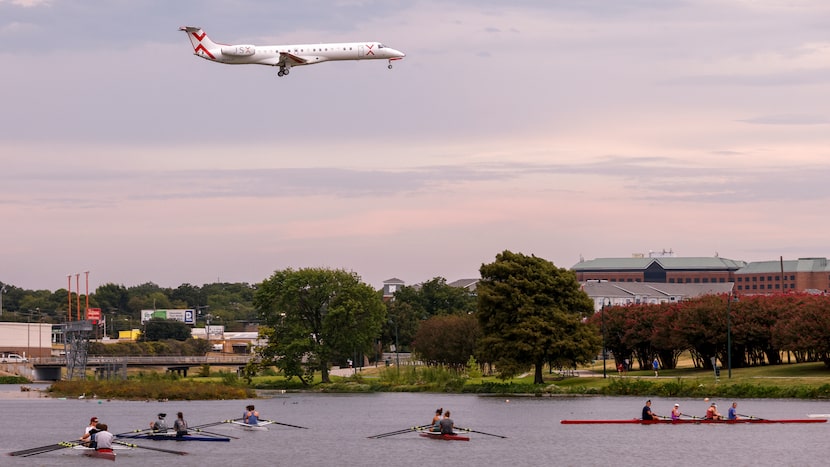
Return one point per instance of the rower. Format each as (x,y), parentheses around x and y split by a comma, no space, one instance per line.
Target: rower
(647,413)
(712,413)
(251,416)
(436,420)
(446,424)
(160,424)
(103,439)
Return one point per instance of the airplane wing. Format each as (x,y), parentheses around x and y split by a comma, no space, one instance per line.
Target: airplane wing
(288,59)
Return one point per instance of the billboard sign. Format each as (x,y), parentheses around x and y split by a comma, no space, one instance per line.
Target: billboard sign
(185,316)
(93,314)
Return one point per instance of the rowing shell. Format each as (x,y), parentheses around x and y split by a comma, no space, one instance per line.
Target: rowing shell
(446,437)
(260,426)
(103,454)
(687,422)
(171,436)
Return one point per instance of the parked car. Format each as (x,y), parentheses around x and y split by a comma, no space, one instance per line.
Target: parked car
(13,358)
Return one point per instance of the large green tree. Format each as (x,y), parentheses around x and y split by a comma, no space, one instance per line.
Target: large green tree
(313,316)
(532,312)
(447,340)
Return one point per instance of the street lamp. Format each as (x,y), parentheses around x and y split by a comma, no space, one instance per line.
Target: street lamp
(2,289)
(397,357)
(729,334)
(605,302)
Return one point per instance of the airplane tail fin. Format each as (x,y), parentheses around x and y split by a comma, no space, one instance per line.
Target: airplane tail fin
(202,45)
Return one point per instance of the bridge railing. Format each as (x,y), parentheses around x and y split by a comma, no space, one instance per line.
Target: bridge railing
(151,361)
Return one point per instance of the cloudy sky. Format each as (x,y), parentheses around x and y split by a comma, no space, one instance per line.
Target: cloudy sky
(561,128)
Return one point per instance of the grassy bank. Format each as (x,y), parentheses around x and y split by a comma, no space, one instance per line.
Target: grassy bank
(803,381)
(152,387)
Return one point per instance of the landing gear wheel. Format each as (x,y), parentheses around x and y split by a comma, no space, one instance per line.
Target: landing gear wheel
(280,73)
(390,66)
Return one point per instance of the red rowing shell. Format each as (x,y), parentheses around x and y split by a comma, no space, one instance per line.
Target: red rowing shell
(455,437)
(637,421)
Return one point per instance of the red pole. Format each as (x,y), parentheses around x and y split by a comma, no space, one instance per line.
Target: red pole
(78,295)
(69,292)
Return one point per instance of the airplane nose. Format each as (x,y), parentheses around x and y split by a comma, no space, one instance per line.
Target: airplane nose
(398,53)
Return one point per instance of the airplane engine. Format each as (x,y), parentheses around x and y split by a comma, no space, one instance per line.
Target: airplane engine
(238,50)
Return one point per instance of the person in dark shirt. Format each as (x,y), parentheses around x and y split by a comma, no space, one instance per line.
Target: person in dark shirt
(446,424)
(647,413)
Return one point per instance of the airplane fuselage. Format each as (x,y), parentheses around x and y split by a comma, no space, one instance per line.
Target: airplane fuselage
(286,56)
(312,53)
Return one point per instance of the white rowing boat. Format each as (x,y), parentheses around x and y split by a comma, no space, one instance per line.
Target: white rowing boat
(260,426)
(819,415)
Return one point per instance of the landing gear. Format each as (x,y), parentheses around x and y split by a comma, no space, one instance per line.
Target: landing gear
(283,71)
(390,66)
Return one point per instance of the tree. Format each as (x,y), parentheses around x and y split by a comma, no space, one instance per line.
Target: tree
(532,312)
(412,305)
(158,329)
(447,340)
(313,316)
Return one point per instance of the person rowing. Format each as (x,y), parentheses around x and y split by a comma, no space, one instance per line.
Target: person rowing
(251,416)
(675,413)
(732,413)
(712,413)
(103,439)
(446,424)
(159,425)
(88,438)
(436,420)
(180,425)
(647,413)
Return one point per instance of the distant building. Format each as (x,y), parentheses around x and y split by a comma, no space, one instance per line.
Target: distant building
(616,293)
(662,269)
(769,277)
(390,286)
(469,284)
(762,277)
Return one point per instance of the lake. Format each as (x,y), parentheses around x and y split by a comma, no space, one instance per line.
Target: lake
(339,425)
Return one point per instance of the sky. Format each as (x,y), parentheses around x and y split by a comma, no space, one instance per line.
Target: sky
(565,129)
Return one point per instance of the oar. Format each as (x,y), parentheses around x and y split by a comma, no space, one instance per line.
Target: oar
(42,449)
(208,425)
(285,424)
(127,433)
(210,433)
(479,432)
(400,432)
(751,417)
(181,453)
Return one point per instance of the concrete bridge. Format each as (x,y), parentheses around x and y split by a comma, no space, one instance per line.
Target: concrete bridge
(51,368)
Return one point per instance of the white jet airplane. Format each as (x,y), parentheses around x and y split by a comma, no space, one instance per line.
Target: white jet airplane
(286,56)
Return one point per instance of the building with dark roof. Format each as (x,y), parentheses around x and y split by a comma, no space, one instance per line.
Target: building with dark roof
(669,270)
(761,277)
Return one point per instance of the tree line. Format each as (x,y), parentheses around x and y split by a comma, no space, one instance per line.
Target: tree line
(228,304)
(762,329)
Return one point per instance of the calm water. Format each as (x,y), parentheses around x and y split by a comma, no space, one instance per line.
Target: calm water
(339,426)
